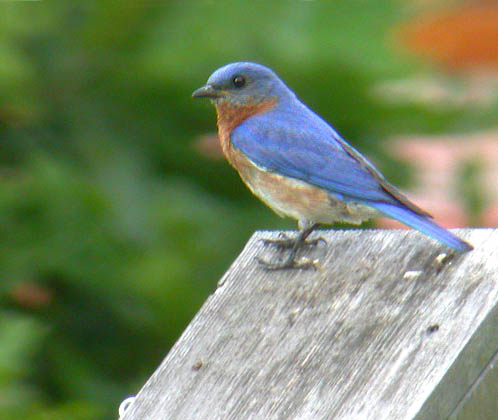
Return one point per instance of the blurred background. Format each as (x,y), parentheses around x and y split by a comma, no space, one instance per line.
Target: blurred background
(118,213)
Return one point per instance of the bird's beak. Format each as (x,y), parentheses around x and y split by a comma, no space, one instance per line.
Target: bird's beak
(207,91)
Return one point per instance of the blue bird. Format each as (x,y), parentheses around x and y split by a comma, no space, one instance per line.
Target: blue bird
(297,164)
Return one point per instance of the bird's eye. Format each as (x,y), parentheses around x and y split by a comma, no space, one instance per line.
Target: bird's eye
(238,81)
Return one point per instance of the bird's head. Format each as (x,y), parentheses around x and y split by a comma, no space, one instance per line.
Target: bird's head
(243,83)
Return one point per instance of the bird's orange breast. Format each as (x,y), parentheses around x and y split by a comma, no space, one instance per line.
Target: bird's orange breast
(230,116)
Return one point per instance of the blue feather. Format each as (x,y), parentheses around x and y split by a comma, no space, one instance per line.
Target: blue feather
(422,224)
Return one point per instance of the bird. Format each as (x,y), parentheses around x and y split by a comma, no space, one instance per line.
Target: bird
(298,164)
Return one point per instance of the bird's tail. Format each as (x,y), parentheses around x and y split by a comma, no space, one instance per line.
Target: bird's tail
(422,224)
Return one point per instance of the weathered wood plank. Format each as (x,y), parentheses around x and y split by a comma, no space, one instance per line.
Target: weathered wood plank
(385,329)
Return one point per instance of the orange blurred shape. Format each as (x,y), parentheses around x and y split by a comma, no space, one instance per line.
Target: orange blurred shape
(31,295)
(465,37)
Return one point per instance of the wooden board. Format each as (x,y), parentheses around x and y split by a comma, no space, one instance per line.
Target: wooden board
(386,328)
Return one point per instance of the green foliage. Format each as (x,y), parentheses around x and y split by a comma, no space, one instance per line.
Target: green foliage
(113,228)
(469,181)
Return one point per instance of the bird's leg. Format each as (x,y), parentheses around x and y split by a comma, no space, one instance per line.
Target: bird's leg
(294,244)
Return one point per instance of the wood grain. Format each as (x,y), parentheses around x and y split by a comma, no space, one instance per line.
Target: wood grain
(386,328)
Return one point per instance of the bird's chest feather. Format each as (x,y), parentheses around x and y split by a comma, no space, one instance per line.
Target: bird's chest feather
(230,116)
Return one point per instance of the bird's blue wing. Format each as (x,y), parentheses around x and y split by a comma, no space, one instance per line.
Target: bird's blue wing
(301,145)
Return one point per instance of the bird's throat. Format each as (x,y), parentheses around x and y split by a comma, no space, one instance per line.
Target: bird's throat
(231,115)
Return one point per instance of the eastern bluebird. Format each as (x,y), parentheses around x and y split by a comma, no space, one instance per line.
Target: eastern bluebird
(297,164)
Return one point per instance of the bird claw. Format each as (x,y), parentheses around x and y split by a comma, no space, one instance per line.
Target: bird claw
(315,242)
(285,242)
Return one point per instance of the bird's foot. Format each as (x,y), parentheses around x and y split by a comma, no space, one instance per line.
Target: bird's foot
(286,242)
(289,263)
(293,245)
